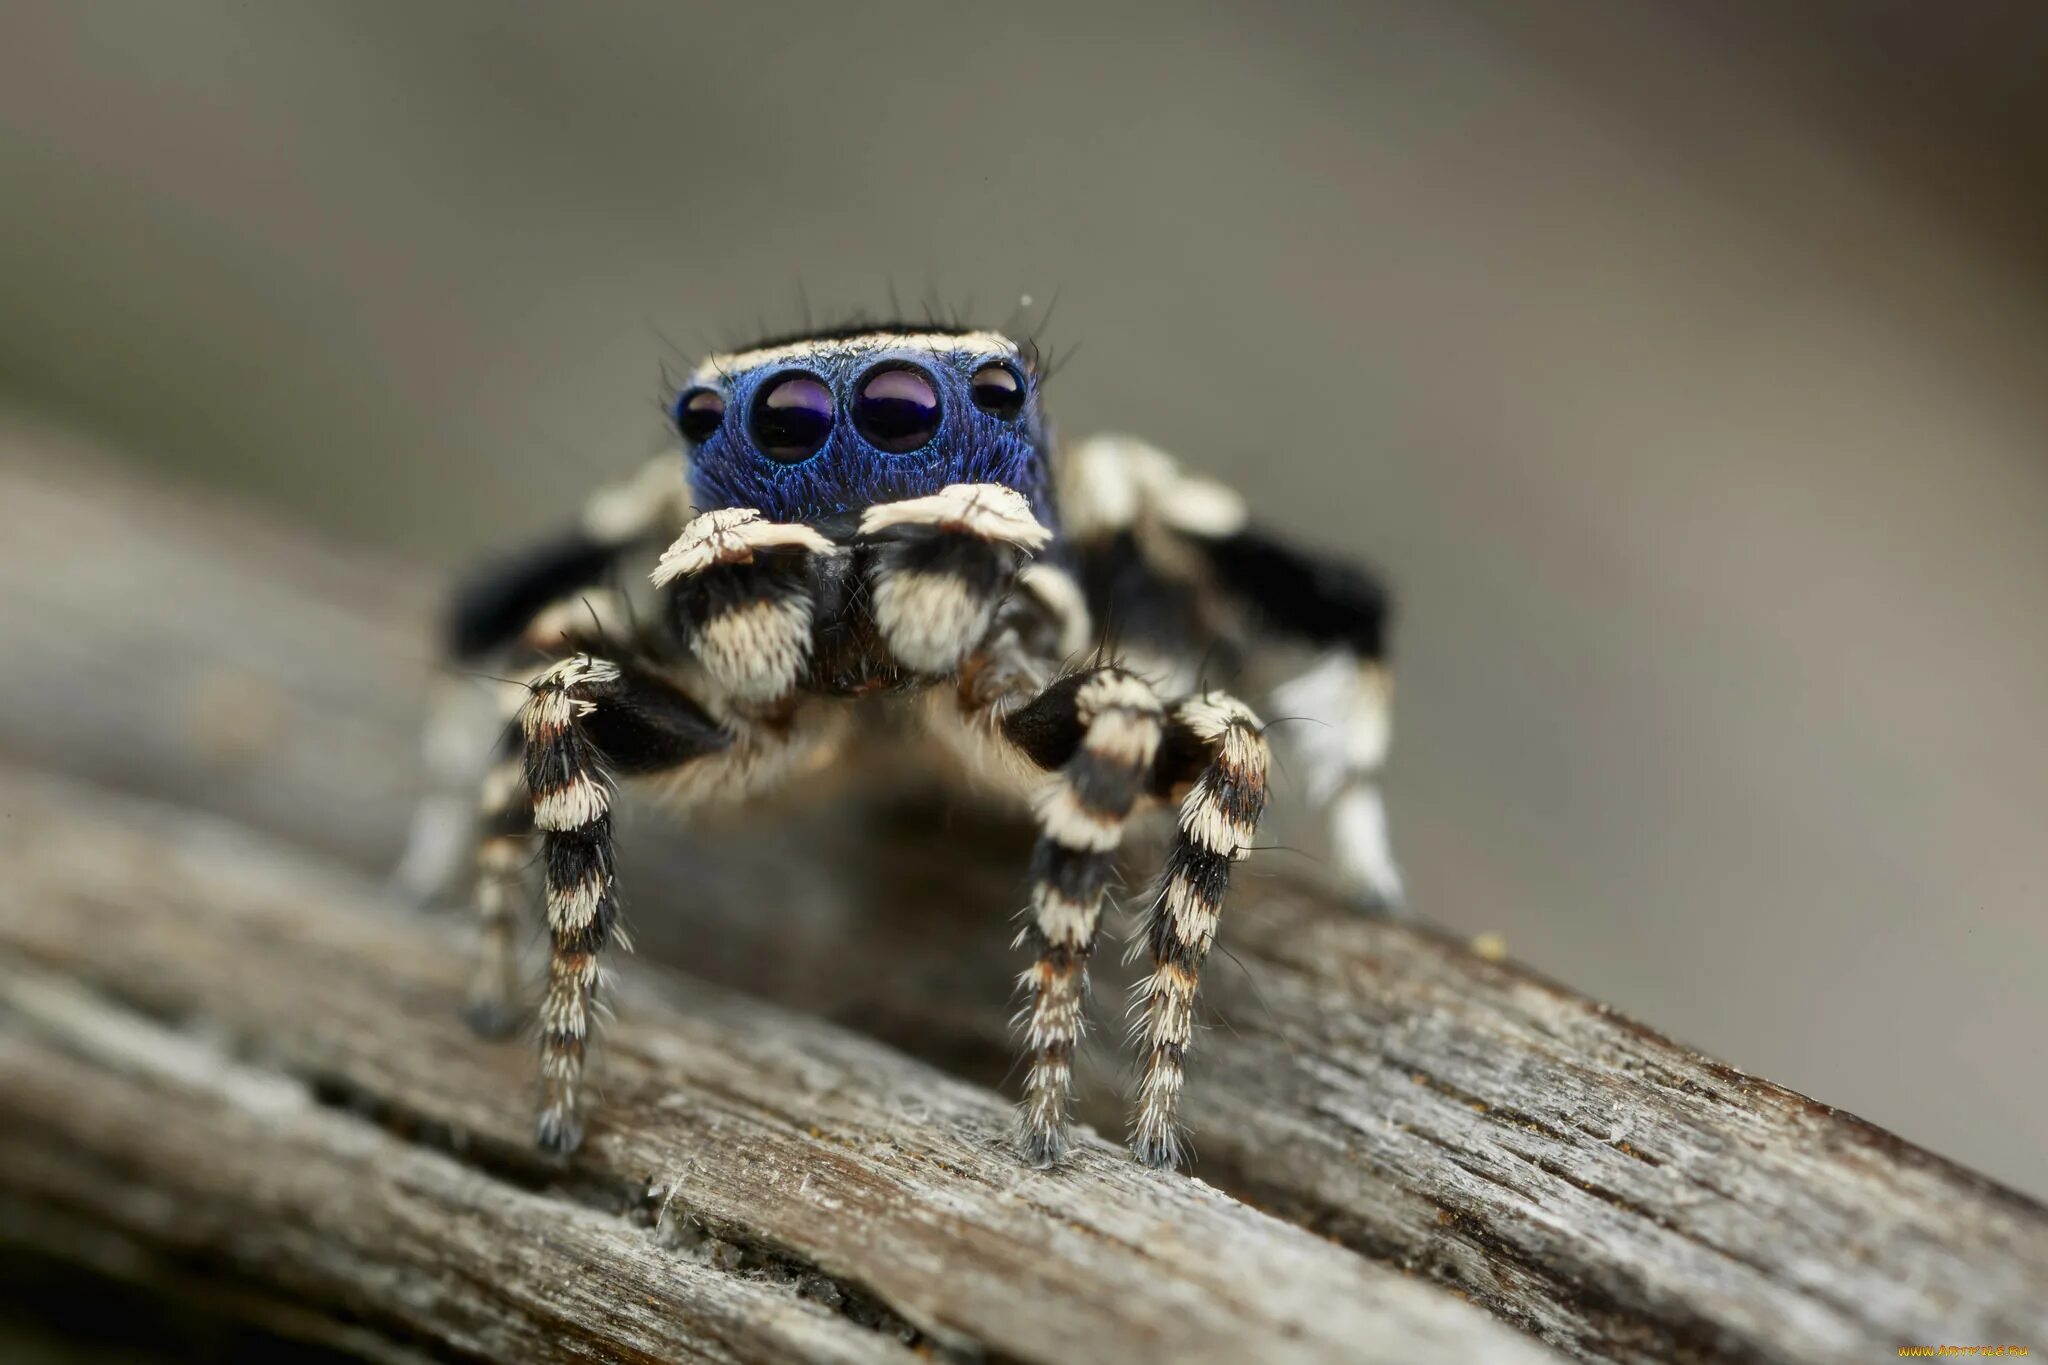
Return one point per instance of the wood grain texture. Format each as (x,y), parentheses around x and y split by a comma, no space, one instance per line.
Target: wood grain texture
(1614,1193)
(223,1047)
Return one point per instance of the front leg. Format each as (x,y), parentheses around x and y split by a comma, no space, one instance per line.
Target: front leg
(1100,732)
(586,720)
(1111,745)
(1214,742)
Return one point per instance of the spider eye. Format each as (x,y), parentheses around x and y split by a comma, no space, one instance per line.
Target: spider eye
(792,418)
(698,415)
(998,391)
(897,410)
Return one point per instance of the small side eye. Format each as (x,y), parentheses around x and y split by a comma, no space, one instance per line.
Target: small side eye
(792,419)
(998,391)
(698,415)
(897,410)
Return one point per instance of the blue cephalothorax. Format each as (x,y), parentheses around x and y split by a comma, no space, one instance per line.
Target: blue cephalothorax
(810,428)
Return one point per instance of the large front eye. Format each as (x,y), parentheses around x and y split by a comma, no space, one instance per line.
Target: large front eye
(998,391)
(792,418)
(897,410)
(698,414)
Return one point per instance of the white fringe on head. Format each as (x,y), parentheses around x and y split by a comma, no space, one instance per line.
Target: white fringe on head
(719,367)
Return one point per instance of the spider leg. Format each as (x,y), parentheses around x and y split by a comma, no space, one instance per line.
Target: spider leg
(1215,741)
(585,720)
(1100,732)
(500,831)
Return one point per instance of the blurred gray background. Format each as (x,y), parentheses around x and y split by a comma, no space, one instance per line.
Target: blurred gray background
(1686,364)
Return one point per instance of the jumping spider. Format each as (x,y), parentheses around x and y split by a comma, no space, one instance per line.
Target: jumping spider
(883,523)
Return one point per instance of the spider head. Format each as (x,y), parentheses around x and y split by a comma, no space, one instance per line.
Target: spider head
(812,427)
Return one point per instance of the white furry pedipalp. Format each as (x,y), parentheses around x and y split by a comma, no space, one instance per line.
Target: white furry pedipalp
(991,511)
(930,619)
(731,535)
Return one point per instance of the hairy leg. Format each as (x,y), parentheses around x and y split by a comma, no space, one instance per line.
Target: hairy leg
(1217,742)
(586,721)
(1099,731)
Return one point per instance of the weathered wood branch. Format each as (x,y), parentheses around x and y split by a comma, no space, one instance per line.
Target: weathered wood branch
(1612,1192)
(197,1024)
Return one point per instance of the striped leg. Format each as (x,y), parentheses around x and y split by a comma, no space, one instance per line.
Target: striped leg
(505,843)
(1101,730)
(585,720)
(1218,742)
